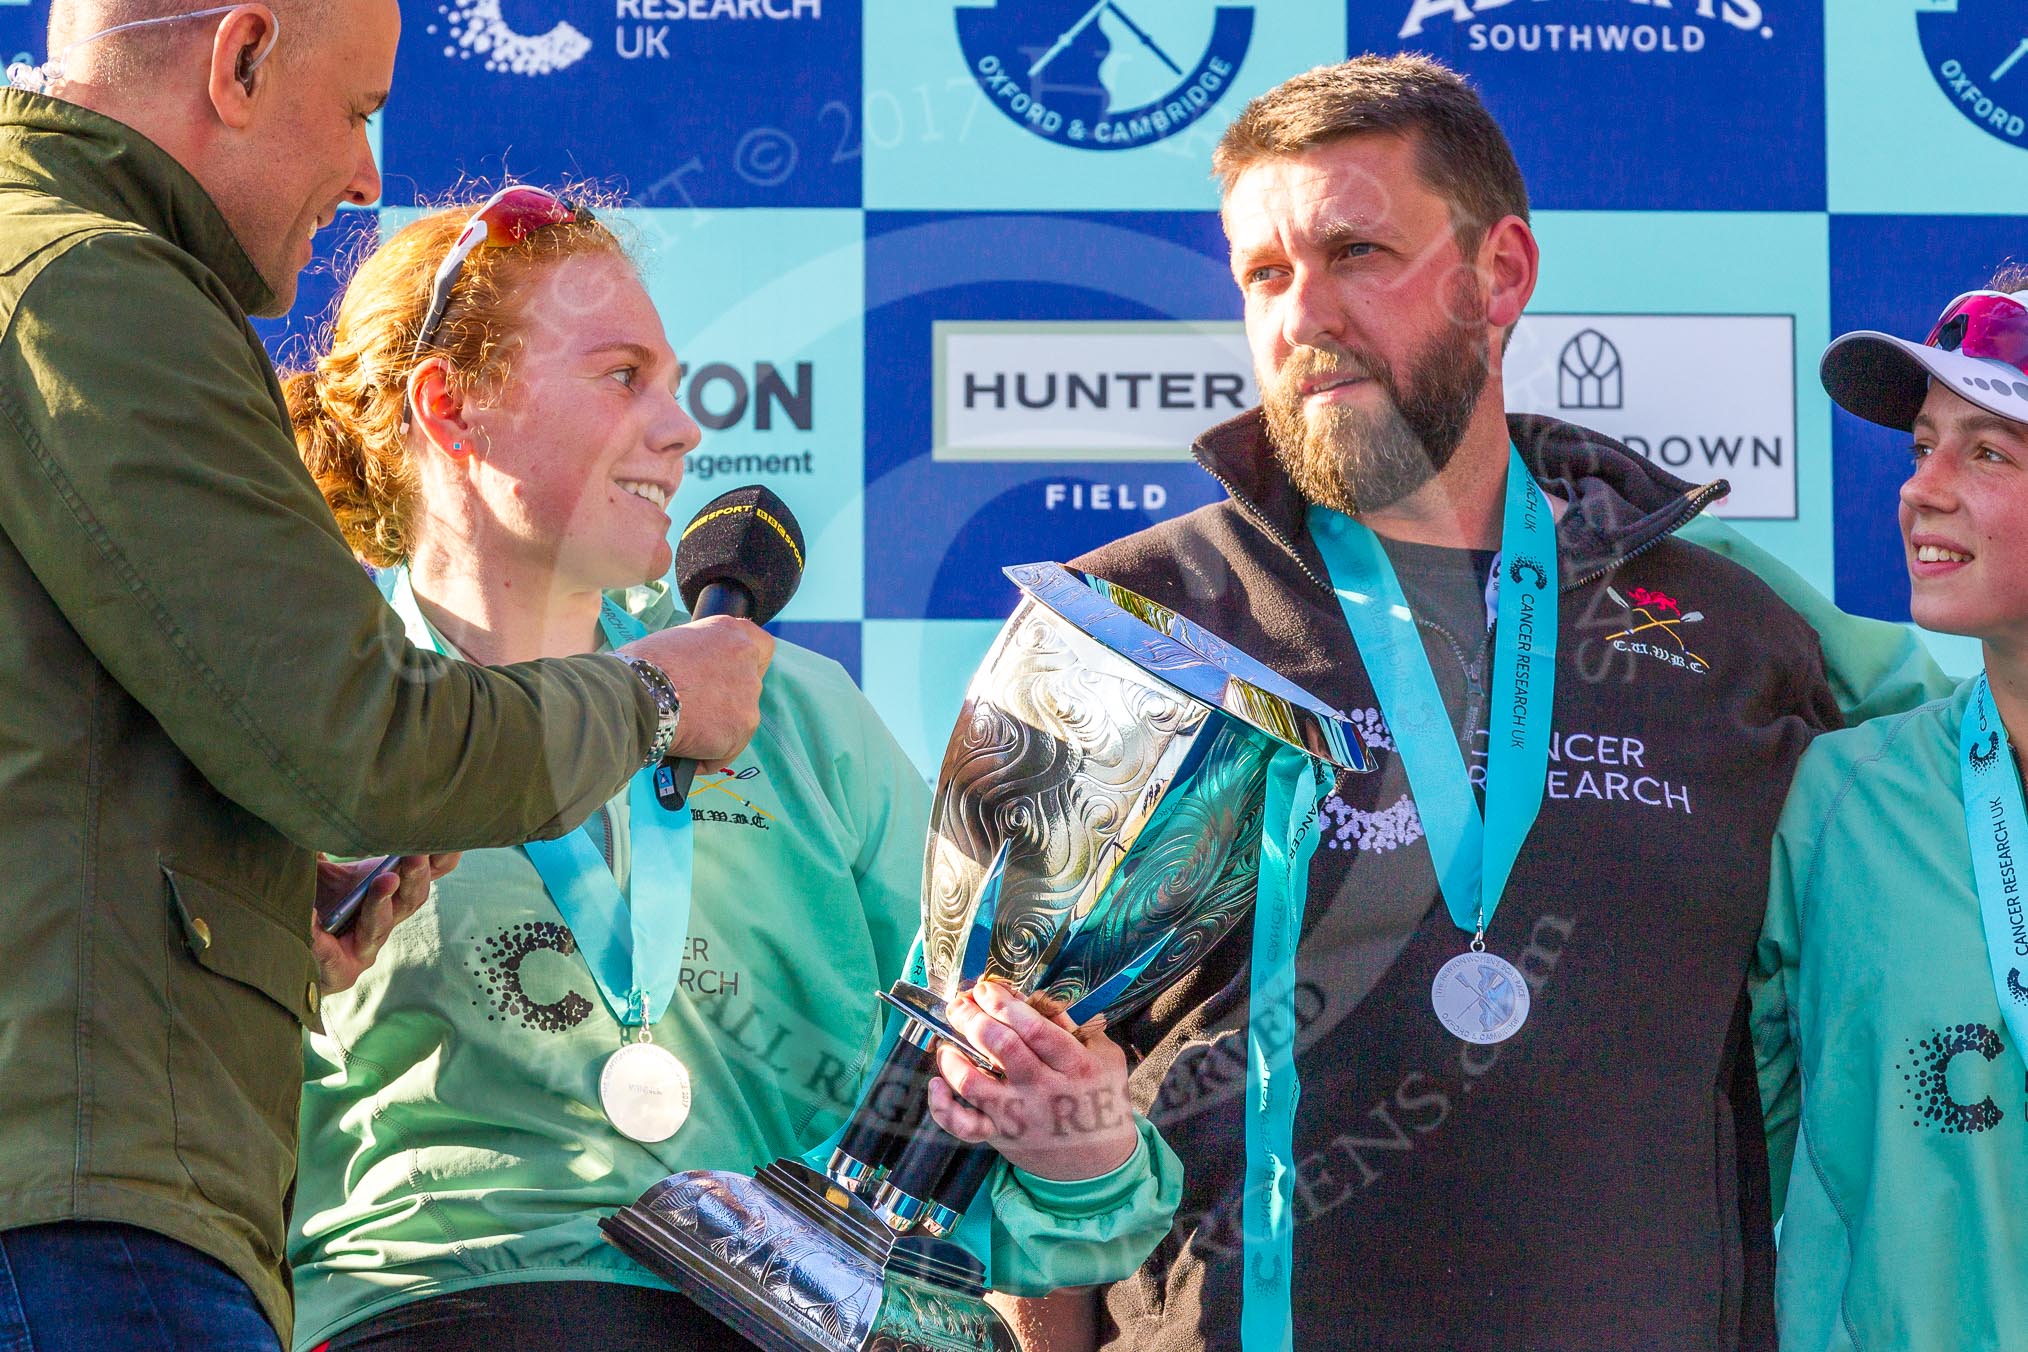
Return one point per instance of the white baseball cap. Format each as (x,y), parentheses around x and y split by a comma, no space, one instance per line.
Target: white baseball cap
(1978,350)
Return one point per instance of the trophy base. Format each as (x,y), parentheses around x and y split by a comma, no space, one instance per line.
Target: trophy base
(795,1263)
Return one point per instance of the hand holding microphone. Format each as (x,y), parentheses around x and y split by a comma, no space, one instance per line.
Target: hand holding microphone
(737,564)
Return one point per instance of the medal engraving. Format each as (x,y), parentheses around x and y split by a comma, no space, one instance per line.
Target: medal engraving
(1480,997)
(645,1091)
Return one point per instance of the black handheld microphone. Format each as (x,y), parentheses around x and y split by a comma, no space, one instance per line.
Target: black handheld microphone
(742,555)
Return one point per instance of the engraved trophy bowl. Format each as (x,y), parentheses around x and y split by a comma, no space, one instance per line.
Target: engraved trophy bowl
(1096,830)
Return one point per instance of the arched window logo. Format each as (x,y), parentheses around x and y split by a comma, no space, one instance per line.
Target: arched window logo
(1105,74)
(1589,374)
(477,30)
(1977,52)
(1702,396)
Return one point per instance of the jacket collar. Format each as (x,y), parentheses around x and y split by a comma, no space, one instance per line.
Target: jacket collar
(104,166)
(1620,504)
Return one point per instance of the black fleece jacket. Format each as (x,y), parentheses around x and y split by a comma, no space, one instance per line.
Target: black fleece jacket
(1599,1180)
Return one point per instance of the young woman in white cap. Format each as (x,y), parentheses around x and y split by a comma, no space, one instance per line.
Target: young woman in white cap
(1891,1009)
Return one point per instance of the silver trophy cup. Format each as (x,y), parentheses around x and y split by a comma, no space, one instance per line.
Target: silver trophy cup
(1096,830)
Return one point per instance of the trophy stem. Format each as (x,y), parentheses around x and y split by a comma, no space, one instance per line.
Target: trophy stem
(959,1188)
(936,1178)
(890,1113)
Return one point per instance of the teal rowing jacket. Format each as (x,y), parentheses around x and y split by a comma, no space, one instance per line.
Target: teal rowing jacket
(452,1134)
(1897,1100)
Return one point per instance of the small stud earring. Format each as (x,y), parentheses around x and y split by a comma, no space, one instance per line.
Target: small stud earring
(457,445)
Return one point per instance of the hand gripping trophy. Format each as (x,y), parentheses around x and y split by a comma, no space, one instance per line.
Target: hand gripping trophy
(1097,828)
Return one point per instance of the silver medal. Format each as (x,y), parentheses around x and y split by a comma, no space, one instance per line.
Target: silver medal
(1480,997)
(645,1091)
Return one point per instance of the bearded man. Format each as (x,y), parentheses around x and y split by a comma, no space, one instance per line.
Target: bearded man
(1528,1114)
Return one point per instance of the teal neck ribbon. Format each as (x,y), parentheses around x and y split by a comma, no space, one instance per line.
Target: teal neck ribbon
(634,951)
(1472,856)
(1994,820)
(1289,830)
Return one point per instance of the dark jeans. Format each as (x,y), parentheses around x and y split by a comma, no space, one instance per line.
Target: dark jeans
(83,1286)
(555,1316)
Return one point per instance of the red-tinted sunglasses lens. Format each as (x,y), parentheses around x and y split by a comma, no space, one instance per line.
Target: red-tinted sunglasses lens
(520,212)
(1993,328)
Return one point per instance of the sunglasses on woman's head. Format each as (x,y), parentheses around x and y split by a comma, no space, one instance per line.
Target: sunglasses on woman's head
(507,218)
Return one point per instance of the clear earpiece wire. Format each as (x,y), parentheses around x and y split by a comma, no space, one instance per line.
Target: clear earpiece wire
(44,78)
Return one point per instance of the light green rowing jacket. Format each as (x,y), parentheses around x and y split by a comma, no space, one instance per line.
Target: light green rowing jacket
(452,1135)
(1897,1098)
(1898,1211)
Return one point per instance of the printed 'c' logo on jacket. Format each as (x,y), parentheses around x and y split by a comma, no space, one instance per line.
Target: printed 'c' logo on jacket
(1927,1090)
(506,967)
(1654,628)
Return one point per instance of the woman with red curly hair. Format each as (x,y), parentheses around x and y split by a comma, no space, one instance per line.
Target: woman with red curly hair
(495,424)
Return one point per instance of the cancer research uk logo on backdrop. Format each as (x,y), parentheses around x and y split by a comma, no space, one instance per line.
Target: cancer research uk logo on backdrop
(1977,51)
(1703,396)
(477,28)
(671,101)
(1110,75)
(480,29)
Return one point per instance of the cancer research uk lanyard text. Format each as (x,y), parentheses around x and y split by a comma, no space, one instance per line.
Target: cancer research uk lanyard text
(1994,818)
(1472,855)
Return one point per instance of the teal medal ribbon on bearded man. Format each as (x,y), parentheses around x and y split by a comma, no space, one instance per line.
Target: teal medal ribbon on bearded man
(1994,820)
(632,940)
(1289,831)
(1479,996)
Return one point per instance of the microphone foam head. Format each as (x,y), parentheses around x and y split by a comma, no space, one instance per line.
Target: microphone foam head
(748,537)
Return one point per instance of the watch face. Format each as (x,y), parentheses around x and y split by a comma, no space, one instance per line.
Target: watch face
(668,706)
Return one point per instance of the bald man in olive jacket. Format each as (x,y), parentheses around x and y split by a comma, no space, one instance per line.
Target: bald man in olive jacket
(200,688)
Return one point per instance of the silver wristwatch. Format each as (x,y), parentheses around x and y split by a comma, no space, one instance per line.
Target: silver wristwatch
(668,705)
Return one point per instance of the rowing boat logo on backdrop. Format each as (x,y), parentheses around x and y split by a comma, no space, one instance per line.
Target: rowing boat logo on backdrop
(1111,75)
(1977,52)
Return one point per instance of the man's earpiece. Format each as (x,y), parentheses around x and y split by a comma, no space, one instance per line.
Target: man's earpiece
(244,69)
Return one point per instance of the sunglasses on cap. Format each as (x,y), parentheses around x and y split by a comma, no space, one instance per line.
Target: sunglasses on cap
(1989,325)
(1977,350)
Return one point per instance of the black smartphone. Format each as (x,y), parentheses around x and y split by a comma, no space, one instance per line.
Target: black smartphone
(344,913)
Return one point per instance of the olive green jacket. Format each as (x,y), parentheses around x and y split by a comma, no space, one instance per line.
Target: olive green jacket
(199,687)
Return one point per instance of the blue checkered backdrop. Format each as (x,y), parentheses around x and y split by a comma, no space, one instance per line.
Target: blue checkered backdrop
(948,275)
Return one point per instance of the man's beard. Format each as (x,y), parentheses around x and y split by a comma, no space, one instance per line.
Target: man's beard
(1360,460)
